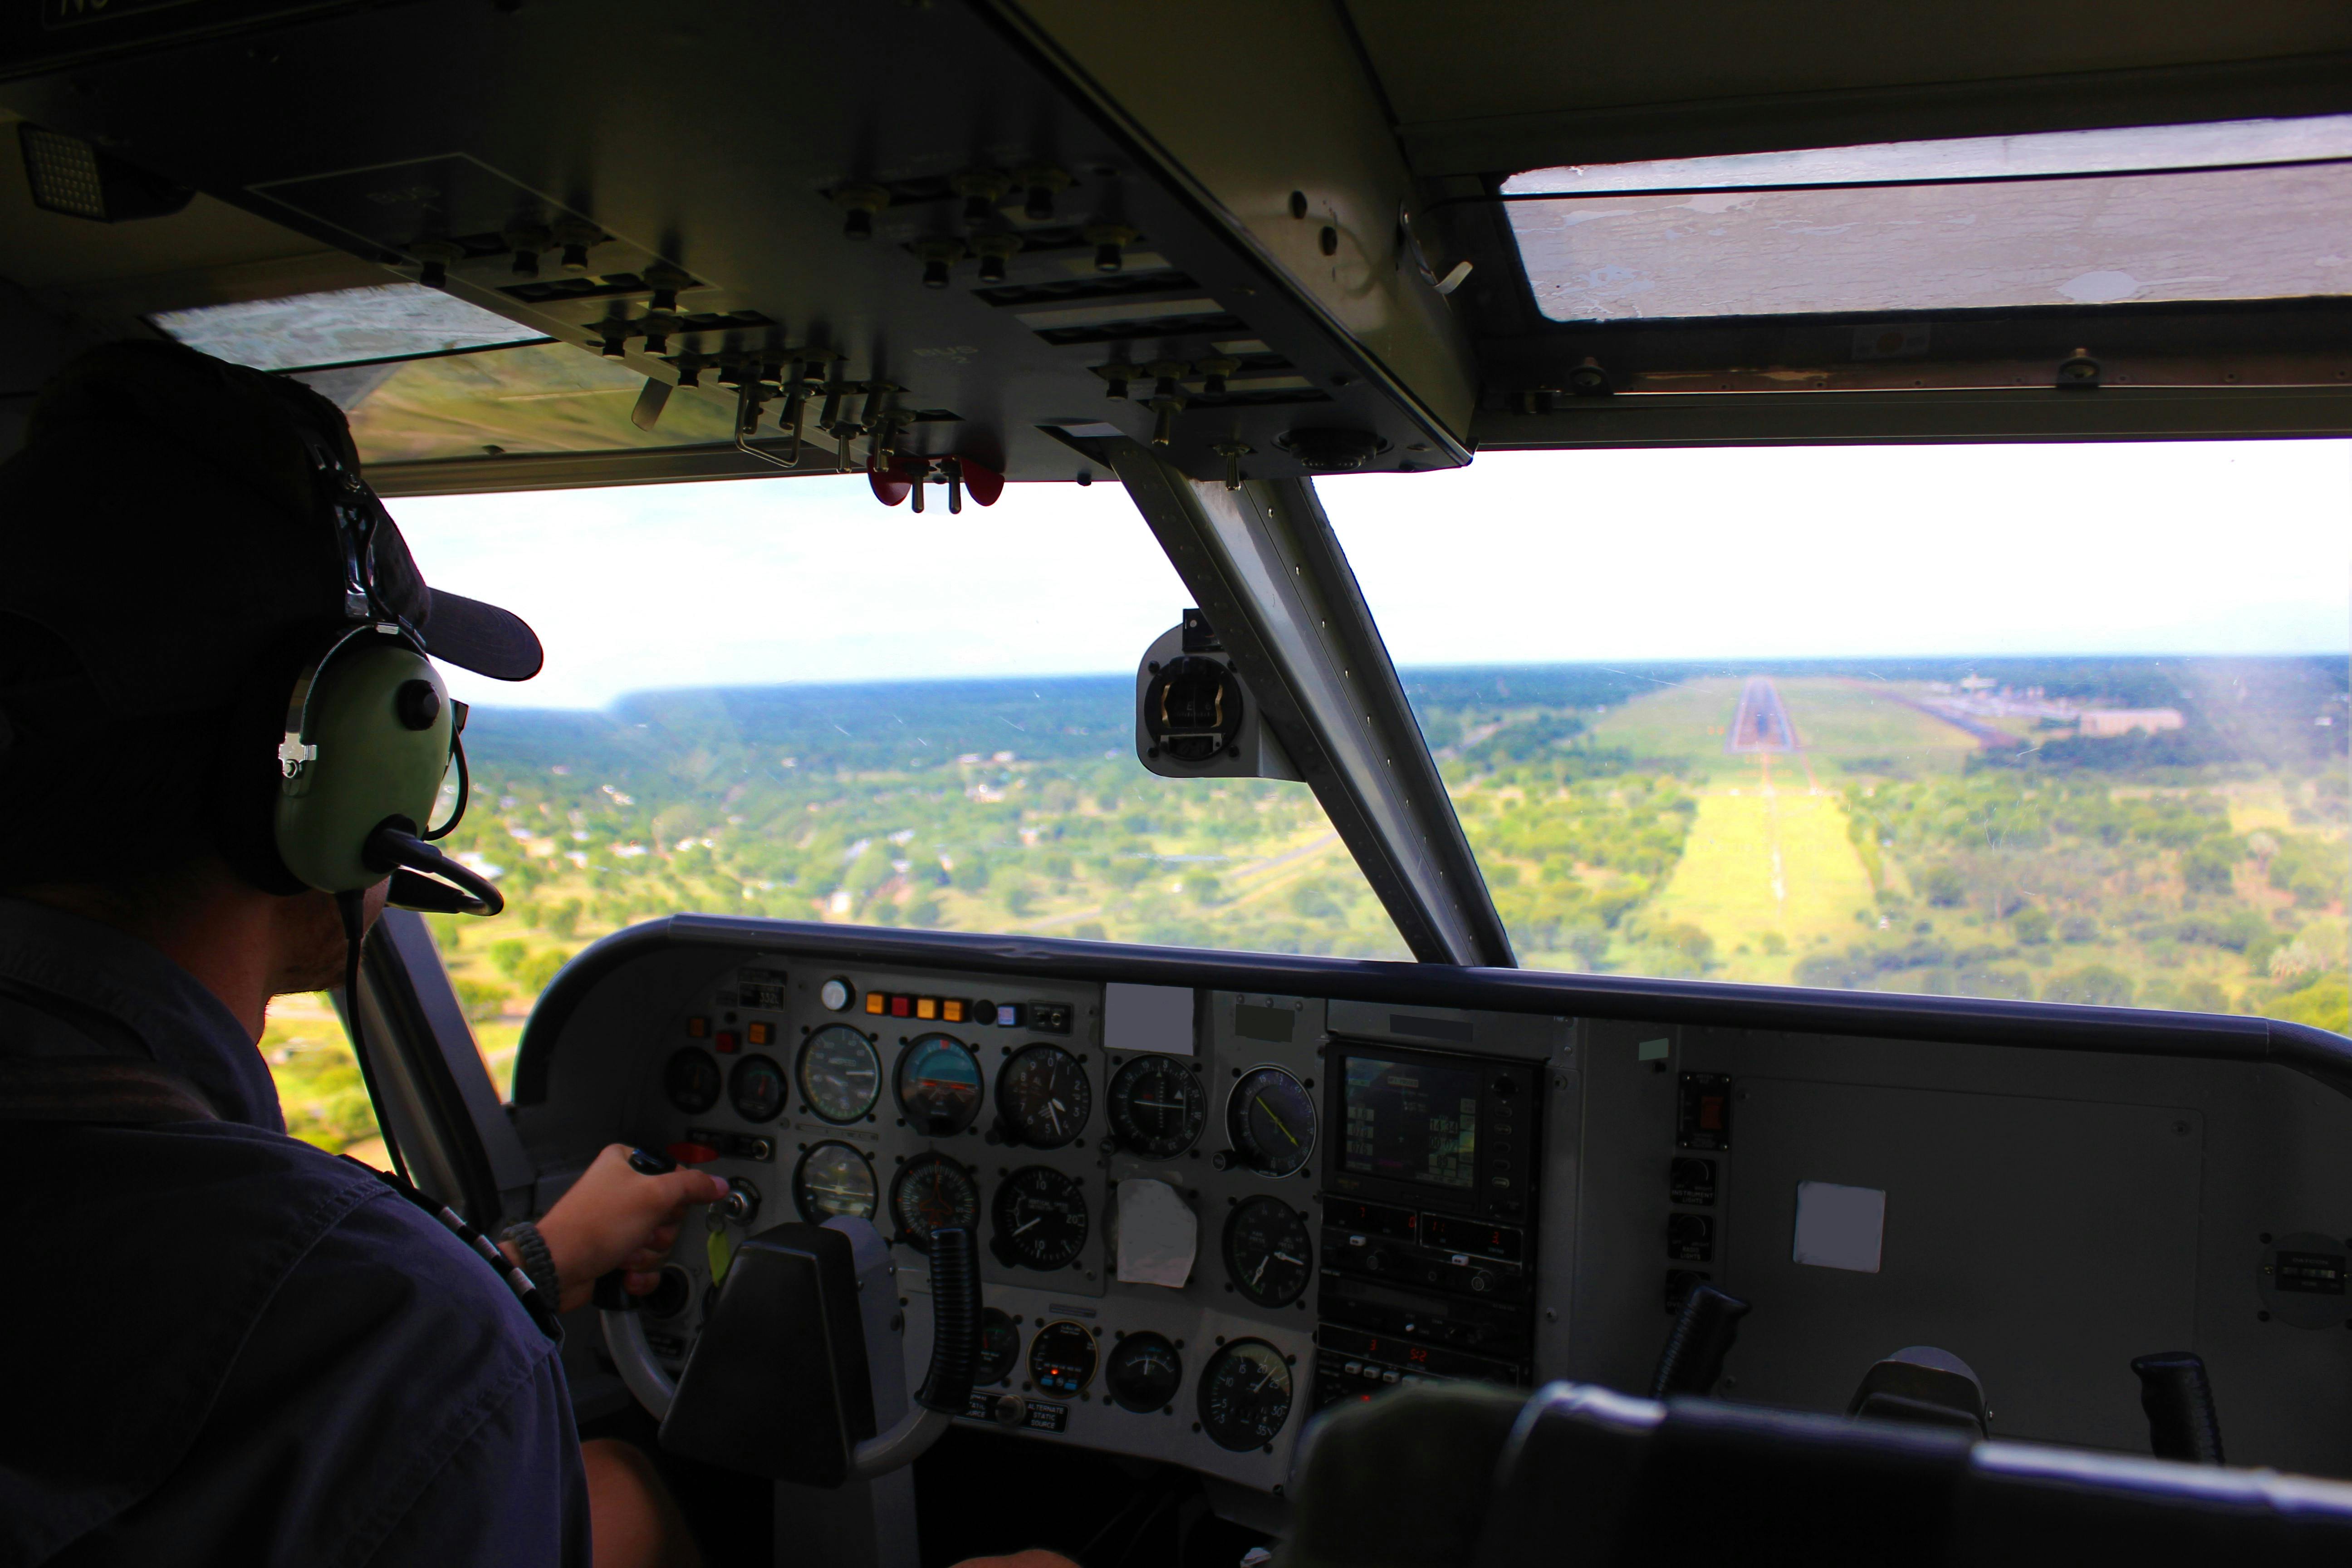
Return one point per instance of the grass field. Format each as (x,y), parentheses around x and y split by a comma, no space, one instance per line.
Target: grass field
(1851,725)
(1684,725)
(1768,873)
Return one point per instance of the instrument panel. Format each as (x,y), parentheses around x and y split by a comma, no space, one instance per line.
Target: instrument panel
(1173,1323)
(1208,1210)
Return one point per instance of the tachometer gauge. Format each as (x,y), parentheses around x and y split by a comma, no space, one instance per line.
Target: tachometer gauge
(1144,1371)
(1157,1107)
(1000,1348)
(1043,1096)
(756,1089)
(932,1192)
(1041,1218)
(1062,1359)
(938,1086)
(1271,1121)
(691,1080)
(834,1179)
(1268,1254)
(1244,1394)
(841,1077)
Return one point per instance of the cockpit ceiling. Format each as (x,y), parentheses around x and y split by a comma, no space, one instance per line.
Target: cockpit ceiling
(1277,241)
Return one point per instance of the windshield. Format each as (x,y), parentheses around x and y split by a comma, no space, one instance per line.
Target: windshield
(2058,722)
(2064,723)
(778,697)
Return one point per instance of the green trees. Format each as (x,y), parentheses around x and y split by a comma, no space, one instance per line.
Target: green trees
(2094,985)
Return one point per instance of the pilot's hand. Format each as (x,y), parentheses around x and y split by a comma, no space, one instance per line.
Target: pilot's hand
(1035,1557)
(616,1218)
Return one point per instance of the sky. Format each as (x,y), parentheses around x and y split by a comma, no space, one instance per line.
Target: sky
(2179,547)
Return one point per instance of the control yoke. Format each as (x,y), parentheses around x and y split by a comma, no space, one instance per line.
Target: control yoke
(799,1350)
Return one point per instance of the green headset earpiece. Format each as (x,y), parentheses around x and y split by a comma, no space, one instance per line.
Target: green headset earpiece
(370,732)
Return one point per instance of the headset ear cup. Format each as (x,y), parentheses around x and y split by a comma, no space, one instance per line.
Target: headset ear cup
(382,725)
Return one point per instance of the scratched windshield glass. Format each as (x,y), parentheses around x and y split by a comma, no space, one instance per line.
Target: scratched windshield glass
(2058,722)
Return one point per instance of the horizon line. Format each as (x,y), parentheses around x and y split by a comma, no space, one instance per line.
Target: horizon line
(1403,672)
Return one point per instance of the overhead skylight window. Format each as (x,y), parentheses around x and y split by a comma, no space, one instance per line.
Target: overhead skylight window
(347,327)
(2241,210)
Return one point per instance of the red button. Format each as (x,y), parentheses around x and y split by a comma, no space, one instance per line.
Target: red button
(901,1006)
(691,1153)
(727,1041)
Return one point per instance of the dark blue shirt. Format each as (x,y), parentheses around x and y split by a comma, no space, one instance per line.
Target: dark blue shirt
(228,1346)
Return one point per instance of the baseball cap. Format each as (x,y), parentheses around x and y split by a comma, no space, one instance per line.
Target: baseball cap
(166,521)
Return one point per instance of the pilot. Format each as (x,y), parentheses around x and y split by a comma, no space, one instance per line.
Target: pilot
(226,1345)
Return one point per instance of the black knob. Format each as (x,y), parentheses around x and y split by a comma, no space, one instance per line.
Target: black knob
(646,1162)
(417,704)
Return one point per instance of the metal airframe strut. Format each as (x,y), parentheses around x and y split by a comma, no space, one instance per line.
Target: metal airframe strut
(1265,568)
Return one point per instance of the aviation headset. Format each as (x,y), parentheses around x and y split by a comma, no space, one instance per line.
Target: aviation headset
(369,733)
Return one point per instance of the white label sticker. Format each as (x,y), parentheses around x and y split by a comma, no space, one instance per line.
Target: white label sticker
(1840,1227)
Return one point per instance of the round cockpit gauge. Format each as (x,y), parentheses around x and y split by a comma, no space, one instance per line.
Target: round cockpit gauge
(691,1080)
(1271,1121)
(1157,1107)
(1000,1348)
(841,1077)
(932,1192)
(756,1089)
(1144,1371)
(1062,1359)
(1268,1255)
(938,1086)
(1041,1218)
(1043,1096)
(836,994)
(1244,1394)
(834,1179)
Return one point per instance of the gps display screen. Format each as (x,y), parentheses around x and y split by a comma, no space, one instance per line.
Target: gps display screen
(1410,1122)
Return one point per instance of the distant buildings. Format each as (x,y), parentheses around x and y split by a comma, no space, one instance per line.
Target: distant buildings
(2104,722)
(1968,703)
